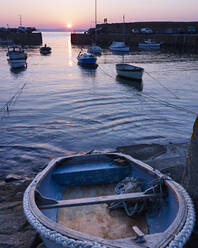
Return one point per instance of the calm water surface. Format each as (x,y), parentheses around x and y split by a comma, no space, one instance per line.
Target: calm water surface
(58,108)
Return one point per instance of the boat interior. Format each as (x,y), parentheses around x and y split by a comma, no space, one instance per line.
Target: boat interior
(106,196)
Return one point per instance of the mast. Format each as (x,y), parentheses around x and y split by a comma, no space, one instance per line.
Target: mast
(95,20)
(95,13)
(20,20)
(124,28)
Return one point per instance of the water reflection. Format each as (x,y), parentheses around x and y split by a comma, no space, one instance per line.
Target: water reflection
(119,53)
(69,46)
(131,83)
(88,70)
(17,71)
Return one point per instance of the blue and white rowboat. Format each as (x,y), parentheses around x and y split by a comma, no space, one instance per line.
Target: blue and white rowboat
(107,200)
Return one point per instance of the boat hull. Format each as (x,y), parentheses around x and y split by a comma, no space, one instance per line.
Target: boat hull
(87,61)
(79,171)
(119,49)
(149,45)
(117,46)
(17,63)
(16,56)
(45,52)
(129,72)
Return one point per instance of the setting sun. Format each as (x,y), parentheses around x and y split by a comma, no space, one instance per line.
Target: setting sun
(69,25)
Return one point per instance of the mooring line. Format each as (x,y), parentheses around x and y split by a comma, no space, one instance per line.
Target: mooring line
(105,72)
(161,84)
(12,100)
(163,102)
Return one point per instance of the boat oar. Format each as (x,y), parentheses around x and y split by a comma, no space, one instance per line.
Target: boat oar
(134,197)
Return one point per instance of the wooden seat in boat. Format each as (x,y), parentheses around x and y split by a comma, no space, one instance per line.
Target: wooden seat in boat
(133,197)
(89,173)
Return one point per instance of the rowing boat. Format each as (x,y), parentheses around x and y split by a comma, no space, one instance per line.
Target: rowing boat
(107,200)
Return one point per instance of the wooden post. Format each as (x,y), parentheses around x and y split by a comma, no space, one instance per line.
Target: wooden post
(190,179)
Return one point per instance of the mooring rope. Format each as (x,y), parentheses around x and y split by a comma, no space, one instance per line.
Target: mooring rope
(12,100)
(163,102)
(105,72)
(166,103)
(161,84)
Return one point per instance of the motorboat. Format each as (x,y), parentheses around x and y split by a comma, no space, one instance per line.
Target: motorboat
(119,46)
(17,63)
(129,71)
(149,44)
(107,200)
(16,52)
(45,50)
(95,50)
(86,58)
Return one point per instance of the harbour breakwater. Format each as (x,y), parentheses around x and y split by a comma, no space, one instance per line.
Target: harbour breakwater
(189,41)
(22,38)
(170,34)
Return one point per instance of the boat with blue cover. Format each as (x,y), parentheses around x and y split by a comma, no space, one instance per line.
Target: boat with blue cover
(119,46)
(86,58)
(107,200)
(95,50)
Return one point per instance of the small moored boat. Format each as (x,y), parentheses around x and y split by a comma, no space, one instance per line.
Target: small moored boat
(86,58)
(119,46)
(107,200)
(95,50)
(16,52)
(45,50)
(129,71)
(149,44)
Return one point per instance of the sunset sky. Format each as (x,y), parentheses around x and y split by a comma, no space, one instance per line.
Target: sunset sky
(80,13)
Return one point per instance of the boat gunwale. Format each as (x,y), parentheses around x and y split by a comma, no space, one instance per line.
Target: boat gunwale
(167,235)
(135,68)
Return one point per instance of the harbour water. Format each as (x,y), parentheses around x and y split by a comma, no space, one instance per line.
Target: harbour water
(56,108)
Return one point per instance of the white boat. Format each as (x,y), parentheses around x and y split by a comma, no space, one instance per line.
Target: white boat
(95,50)
(149,44)
(86,58)
(129,71)
(107,200)
(17,63)
(16,52)
(119,46)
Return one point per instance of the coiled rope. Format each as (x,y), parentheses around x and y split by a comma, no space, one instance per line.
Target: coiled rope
(178,241)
